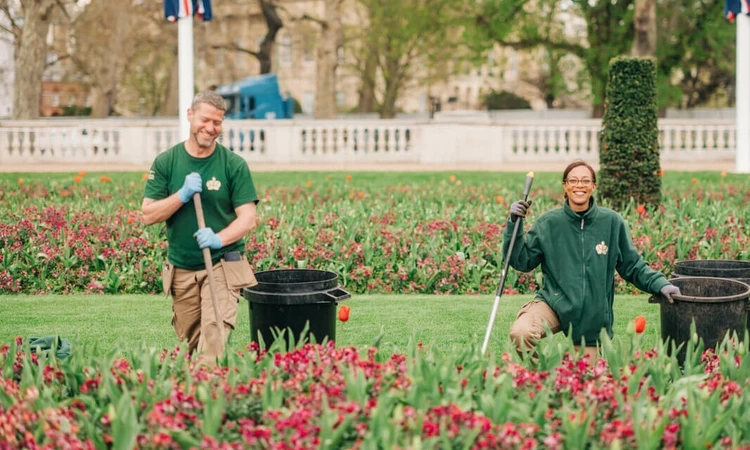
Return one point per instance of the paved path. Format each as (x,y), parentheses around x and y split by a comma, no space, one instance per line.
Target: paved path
(368,167)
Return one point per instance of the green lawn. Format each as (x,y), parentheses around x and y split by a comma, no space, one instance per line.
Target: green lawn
(129,320)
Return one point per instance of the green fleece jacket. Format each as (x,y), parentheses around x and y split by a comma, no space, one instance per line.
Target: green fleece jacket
(579,254)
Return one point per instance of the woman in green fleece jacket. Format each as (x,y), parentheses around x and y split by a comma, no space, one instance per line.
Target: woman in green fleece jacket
(580,246)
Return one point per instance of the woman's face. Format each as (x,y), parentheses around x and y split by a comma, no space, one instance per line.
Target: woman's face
(580,186)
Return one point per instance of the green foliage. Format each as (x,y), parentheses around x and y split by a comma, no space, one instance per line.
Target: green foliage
(401,34)
(505,100)
(516,23)
(76,110)
(629,150)
(695,52)
(297,106)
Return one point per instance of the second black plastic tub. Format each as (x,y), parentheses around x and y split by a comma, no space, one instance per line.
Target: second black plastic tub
(290,299)
(717,268)
(717,305)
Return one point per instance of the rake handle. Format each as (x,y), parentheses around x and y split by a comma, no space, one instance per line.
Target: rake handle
(209,270)
(506,264)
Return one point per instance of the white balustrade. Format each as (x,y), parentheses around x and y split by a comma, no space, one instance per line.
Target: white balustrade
(131,141)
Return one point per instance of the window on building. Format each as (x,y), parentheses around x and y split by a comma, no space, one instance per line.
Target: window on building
(285,51)
(237,54)
(308,49)
(55,99)
(51,34)
(511,69)
(70,44)
(341,56)
(308,102)
(340,99)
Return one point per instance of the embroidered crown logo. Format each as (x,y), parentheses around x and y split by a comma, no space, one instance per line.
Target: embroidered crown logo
(213,184)
(601,248)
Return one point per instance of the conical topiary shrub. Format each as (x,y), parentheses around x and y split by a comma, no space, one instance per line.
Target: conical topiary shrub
(629,142)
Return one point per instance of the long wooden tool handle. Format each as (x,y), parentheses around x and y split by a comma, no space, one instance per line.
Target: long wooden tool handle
(209,270)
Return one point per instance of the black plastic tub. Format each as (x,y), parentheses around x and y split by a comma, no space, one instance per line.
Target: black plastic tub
(290,299)
(717,305)
(717,268)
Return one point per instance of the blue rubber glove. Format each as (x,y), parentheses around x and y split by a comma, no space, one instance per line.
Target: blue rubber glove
(669,290)
(207,238)
(193,184)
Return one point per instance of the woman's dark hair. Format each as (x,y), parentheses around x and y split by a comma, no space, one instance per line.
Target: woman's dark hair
(572,166)
(575,164)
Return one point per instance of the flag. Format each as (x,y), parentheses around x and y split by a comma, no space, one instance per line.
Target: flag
(203,9)
(733,8)
(176,9)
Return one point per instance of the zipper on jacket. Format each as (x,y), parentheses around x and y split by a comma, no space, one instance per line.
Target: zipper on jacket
(583,262)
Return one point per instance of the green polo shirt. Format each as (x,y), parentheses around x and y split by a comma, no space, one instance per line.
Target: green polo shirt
(227,184)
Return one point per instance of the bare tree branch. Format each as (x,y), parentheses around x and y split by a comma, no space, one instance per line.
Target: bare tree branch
(14,28)
(61,5)
(236,48)
(524,44)
(57,60)
(310,18)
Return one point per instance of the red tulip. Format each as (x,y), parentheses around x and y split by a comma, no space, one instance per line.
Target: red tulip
(640,324)
(344,313)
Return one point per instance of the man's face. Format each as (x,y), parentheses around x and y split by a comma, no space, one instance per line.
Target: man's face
(579,186)
(205,124)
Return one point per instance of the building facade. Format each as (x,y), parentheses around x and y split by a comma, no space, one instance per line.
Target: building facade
(240,23)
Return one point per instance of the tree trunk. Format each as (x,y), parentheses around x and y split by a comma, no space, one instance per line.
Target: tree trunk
(274,24)
(644,23)
(102,103)
(327,59)
(170,107)
(392,73)
(30,56)
(367,89)
(597,112)
(599,91)
(549,99)
(388,108)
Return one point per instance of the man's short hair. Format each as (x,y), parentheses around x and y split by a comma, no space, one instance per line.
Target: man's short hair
(210,97)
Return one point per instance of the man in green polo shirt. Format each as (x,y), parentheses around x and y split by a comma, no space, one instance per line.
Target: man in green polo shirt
(223,180)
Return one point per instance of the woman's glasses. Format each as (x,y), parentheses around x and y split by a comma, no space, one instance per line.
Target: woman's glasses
(585,182)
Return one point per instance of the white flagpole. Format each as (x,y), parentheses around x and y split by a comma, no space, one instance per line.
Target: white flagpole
(185,67)
(742,83)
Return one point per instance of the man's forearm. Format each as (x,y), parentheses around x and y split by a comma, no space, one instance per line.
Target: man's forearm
(155,211)
(247,218)
(238,229)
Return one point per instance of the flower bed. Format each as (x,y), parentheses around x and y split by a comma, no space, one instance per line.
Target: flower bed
(380,234)
(319,396)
